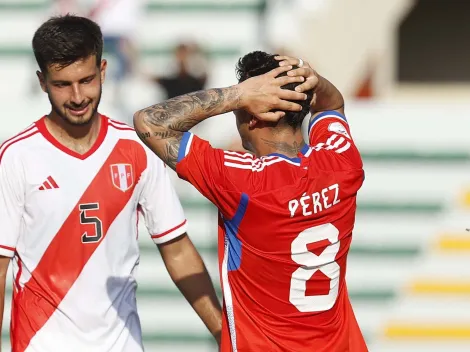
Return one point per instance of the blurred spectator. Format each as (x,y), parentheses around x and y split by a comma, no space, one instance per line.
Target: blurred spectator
(119,20)
(191,71)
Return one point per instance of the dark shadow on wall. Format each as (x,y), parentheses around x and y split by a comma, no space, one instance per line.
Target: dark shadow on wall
(434,43)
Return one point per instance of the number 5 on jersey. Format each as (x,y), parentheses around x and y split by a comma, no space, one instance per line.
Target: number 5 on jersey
(85,218)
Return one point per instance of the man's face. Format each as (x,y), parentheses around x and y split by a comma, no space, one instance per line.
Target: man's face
(75,90)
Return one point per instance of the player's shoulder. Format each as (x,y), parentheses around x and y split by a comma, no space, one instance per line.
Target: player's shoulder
(14,146)
(328,115)
(260,176)
(331,142)
(234,161)
(122,130)
(249,163)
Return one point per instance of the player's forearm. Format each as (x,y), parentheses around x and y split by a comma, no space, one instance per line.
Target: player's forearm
(161,126)
(190,275)
(327,96)
(180,114)
(199,291)
(2,302)
(4,263)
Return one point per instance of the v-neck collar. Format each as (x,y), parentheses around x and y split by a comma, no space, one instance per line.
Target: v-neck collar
(41,125)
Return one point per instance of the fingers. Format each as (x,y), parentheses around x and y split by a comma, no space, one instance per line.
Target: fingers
(277,71)
(303,71)
(272,116)
(287,60)
(306,84)
(286,94)
(284,80)
(310,83)
(311,78)
(288,106)
(291,61)
(280,108)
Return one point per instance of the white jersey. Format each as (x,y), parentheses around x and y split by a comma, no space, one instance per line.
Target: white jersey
(69,222)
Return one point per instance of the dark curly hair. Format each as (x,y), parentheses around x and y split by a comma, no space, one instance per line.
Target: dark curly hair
(62,40)
(257,63)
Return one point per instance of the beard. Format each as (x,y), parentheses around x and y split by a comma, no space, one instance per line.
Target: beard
(84,120)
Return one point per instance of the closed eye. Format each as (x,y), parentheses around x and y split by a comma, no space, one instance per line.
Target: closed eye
(61,84)
(87,79)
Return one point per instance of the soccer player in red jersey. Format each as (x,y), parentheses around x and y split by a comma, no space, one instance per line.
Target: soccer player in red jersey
(72,186)
(286,210)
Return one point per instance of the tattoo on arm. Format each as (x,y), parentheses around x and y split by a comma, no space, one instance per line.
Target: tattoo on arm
(172,148)
(143,135)
(284,147)
(161,126)
(157,134)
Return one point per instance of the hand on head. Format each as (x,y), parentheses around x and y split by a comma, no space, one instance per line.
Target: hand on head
(263,96)
(304,70)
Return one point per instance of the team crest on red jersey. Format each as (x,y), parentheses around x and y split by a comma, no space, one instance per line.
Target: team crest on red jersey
(122,176)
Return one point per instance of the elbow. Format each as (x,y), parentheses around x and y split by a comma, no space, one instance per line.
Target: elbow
(139,120)
(142,129)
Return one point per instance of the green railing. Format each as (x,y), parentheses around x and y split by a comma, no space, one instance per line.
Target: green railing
(18,51)
(375,207)
(153,6)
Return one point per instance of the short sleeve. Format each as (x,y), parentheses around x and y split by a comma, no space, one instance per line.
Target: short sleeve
(11,204)
(159,203)
(204,167)
(329,131)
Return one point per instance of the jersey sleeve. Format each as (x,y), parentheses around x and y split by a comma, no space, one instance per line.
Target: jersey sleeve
(330,131)
(204,167)
(11,204)
(159,203)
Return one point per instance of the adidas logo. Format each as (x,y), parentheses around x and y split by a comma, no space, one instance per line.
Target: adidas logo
(48,184)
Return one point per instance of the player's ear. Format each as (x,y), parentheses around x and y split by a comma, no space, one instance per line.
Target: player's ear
(253,121)
(42,81)
(103,66)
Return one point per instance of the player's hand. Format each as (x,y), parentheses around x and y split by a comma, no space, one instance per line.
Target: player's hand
(263,97)
(304,70)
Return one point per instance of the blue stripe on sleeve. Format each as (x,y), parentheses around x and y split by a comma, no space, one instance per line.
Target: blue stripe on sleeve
(323,114)
(183,146)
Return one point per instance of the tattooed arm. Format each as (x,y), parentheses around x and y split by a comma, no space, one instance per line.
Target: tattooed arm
(161,126)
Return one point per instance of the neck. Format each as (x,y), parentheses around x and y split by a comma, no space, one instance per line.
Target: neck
(79,138)
(285,141)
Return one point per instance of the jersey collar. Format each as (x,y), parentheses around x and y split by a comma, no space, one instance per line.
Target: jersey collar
(303,151)
(41,125)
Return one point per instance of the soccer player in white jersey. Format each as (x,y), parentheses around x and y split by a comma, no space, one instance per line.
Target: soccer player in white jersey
(71,187)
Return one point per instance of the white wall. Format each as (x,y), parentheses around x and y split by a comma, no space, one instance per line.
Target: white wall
(343,38)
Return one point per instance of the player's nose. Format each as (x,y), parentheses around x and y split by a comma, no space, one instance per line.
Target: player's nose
(77,96)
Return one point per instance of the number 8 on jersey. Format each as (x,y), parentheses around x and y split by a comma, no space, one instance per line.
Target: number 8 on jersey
(310,263)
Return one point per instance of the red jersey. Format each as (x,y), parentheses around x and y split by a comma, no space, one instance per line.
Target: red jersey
(284,234)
